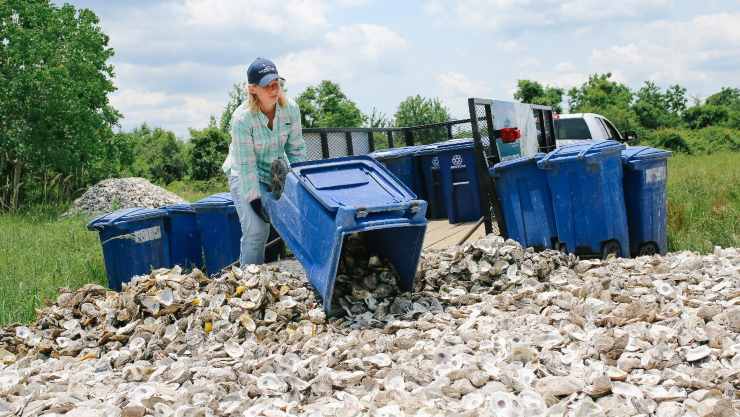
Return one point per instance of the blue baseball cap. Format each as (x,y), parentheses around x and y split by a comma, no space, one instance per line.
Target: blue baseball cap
(261,72)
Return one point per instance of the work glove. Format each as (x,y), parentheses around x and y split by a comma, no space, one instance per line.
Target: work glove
(259,209)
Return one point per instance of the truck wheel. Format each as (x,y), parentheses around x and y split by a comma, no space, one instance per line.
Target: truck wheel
(610,248)
(648,249)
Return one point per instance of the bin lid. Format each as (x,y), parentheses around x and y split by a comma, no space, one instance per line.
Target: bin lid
(356,181)
(424,150)
(517,162)
(125,216)
(214,201)
(635,154)
(179,208)
(455,144)
(393,153)
(583,149)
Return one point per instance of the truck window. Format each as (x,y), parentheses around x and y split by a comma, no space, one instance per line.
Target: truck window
(573,129)
(613,132)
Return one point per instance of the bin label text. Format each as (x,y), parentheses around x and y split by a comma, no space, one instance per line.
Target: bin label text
(655,174)
(148,234)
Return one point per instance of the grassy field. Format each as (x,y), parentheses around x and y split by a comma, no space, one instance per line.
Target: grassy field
(703,201)
(40,252)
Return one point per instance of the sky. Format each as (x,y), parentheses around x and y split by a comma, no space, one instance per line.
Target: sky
(176,60)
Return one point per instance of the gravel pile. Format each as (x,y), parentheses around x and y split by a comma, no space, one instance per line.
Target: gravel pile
(118,193)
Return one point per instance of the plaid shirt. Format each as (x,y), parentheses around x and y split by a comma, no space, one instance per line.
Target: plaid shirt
(254,146)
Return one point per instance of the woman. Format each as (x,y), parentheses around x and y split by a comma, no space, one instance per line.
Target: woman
(265,127)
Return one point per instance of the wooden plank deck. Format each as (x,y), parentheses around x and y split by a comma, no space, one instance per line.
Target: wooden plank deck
(441,234)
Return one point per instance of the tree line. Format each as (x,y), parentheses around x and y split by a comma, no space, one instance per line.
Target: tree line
(58,129)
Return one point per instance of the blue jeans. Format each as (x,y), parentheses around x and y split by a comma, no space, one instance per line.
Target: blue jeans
(254,230)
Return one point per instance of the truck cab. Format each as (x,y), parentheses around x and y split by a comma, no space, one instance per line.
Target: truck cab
(575,127)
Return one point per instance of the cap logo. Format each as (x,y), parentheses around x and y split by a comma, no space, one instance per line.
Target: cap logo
(267,69)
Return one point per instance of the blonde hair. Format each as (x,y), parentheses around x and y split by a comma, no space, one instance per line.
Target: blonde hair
(253,102)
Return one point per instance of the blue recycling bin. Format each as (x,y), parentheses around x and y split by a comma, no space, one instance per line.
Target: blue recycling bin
(220,231)
(325,201)
(431,177)
(460,186)
(183,235)
(645,174)
(403,164)
(525,201)
(585,182)
(134,242)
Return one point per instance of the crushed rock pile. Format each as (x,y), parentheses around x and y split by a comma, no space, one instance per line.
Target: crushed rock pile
(490,330)
(118,193)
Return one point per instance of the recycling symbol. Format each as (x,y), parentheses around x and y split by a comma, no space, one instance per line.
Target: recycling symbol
(457,160)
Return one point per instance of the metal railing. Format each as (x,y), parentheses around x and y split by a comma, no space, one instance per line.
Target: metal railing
(324,143)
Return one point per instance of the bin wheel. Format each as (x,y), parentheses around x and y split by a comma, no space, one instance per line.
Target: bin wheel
(648,249)
(610,248)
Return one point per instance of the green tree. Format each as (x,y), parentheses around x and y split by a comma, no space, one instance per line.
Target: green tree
(54,84)
(417,110)
(528,91)
(326,105)
(377,118)
(208,150)
(705,115)
(237,96)
(727,96)
(157,154)
(606,97)
(656,109)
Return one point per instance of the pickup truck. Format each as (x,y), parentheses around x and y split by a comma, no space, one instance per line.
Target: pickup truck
(584,126)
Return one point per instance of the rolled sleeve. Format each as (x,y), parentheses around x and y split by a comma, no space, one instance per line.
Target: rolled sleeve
(295,145)
(246,160)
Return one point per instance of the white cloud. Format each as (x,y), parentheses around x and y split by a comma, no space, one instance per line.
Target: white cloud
(344,54)
(591,10)
(519,14)
(172,111)
(456,88)
(292,17)
(690,52)
(351,3)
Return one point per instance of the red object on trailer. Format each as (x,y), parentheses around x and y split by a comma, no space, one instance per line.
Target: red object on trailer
(509,134)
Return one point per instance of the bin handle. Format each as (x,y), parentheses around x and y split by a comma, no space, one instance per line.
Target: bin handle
(547,157)
(583,152)
(115,218)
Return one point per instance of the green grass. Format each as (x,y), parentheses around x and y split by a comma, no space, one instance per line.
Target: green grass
(703,201)
(40,252)
(195,190)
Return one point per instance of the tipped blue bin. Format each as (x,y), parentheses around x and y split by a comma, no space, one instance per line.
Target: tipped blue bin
(585,182)
(324,201)
(403,164)
(525,201)
(134,242)
(220,231)
(460,187)
(645,174)
(184,236)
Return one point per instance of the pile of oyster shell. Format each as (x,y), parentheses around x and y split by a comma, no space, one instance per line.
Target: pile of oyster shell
(491,329)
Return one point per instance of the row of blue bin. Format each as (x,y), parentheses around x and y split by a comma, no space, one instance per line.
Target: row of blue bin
(444,174)
(593,198)
(205,234)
